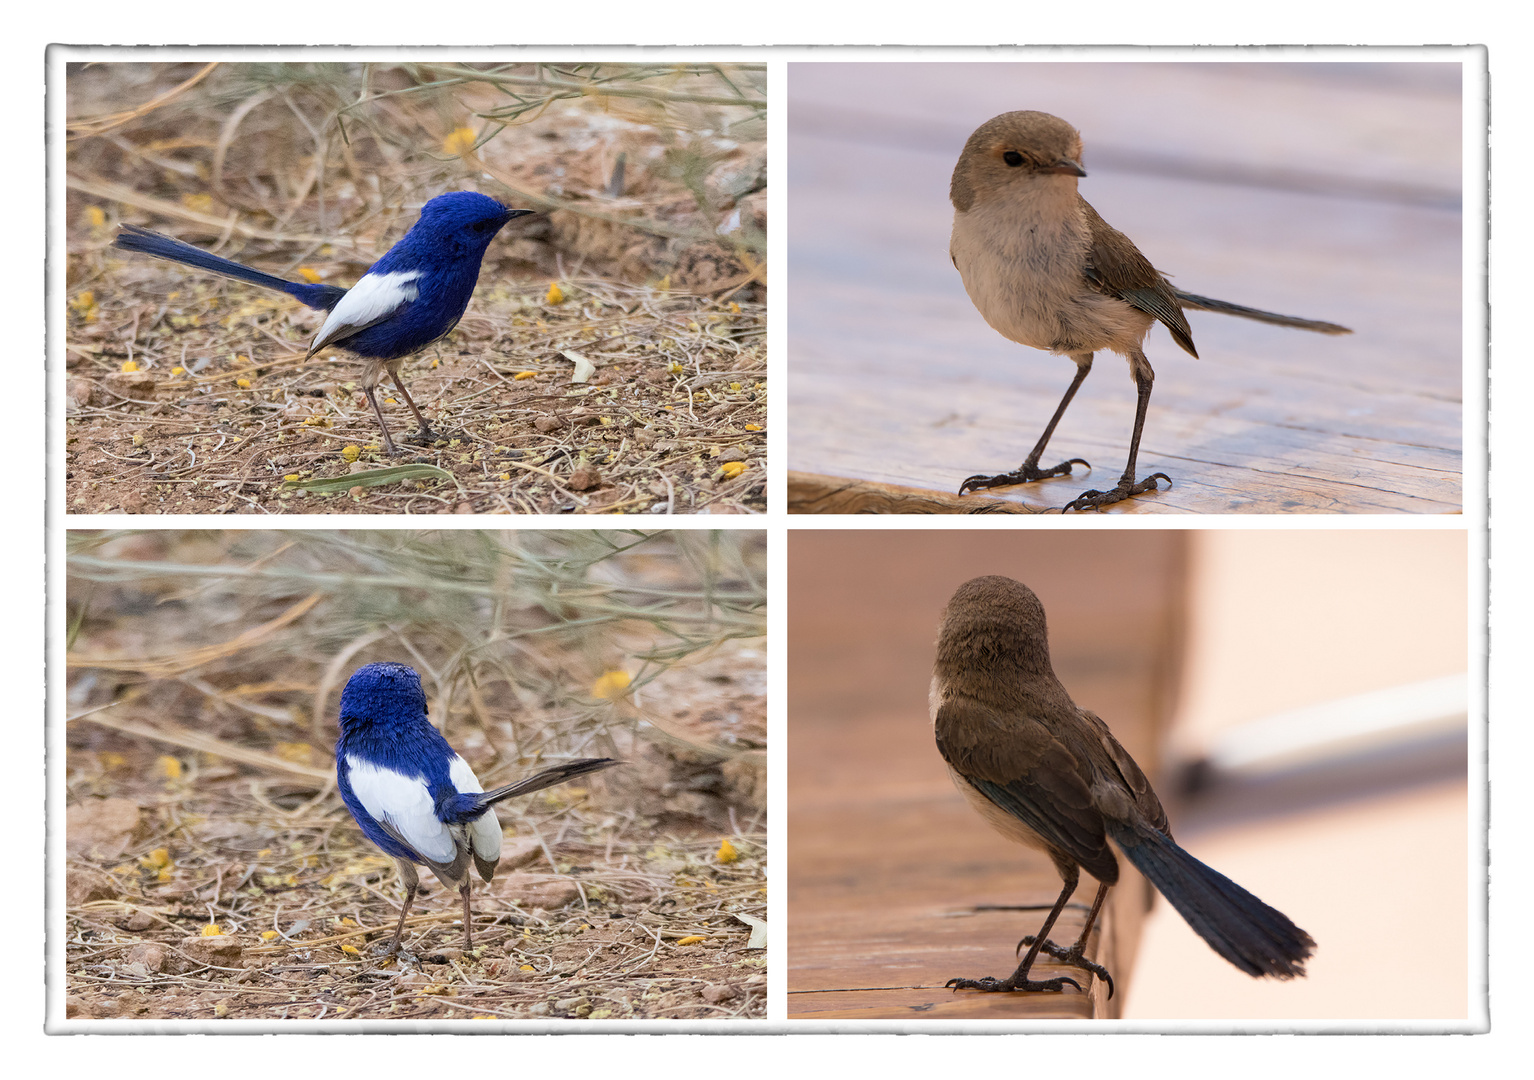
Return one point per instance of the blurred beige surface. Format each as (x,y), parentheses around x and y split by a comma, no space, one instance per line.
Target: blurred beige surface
(1280,620)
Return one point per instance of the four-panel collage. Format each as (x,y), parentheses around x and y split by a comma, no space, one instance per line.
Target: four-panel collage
(1011,763)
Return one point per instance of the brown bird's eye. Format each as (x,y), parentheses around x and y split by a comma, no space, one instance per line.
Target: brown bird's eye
(1012,158)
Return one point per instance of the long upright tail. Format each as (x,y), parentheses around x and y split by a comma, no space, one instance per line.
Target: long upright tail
(133,238)
(546,779)
(1258,939)
(1225,307)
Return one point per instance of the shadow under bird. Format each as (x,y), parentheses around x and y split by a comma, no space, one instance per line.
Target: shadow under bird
(1046,271)
(413,795)
(1051,776)
(408,299)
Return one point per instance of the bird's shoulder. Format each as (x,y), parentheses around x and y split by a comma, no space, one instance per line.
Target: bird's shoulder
(1111,757)
(1117,268)
(1010,744)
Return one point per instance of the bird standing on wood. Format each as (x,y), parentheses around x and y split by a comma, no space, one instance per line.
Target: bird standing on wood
(1050,775)
(1046,271)
(413,795)
(408,299)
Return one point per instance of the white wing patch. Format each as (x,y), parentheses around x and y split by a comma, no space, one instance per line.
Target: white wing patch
(371,300)
(485,830)
(405,803)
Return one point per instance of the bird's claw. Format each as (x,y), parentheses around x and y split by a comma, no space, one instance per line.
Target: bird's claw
(1023,474)
(990,985)
(1092,500)
(1071,957)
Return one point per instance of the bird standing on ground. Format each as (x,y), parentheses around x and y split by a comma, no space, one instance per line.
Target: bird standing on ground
(1046,271)
(408,299)
(413,795)
(1051,776)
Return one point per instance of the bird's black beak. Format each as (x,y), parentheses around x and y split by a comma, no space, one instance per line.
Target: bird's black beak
(510,214)
(1066,167)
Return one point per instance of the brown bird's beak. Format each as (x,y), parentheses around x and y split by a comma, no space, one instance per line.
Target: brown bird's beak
(1066,167)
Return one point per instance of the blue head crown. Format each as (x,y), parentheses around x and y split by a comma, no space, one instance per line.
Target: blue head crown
(465,210)
(378,692)
(452,229)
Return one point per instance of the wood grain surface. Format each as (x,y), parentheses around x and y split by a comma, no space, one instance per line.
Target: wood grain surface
(1328,191)
(895,885)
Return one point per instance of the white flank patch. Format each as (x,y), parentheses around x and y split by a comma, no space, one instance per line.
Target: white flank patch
(405,803)
(485,830)
(371,300)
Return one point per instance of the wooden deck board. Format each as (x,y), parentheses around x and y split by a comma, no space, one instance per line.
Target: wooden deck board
(895,378)
(895,886)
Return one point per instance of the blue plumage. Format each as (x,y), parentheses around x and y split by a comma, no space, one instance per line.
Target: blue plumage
(413,795)
(408,299)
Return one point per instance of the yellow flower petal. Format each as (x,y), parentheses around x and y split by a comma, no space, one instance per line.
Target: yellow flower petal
(726,852)
(610,685)
(459,142)
(732,469)
(692,940)
(555,294)
(212,929)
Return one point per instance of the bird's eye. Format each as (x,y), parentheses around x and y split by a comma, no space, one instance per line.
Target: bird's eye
(1012,158)
(481,226)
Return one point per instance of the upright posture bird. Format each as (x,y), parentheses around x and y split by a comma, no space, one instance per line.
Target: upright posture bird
(1046,271)
(1050,775)
(409,298)
(413,795)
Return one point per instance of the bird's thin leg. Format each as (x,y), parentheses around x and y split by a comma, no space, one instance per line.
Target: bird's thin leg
(412,882)
(468,924)
(425,433)
(1075,956)
(389,447)
(1029,469)
(1127,486)
(1019,979)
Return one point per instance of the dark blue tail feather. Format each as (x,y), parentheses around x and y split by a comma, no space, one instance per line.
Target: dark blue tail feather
(1258,939)
(457,809)
(132,238)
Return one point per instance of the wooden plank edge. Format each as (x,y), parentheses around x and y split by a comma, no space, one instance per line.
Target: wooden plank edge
(813,493)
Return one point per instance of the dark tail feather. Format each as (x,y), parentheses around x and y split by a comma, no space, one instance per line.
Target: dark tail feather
(546,779)
(133,238)
(1225,307)
(1258,939)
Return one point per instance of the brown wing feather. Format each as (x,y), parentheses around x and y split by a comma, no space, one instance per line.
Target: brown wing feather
(1116,267)
(1021,767)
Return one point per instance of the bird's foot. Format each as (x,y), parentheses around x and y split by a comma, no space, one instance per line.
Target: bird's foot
(1070,957)
(384,950)
(1023,474)
(1094,499)
(991,985)
(423,437)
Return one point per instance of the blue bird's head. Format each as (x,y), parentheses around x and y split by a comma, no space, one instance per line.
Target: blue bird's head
(382,694)
(453,230)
